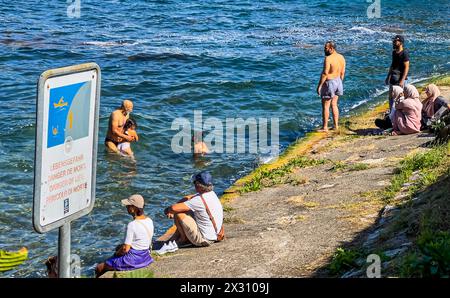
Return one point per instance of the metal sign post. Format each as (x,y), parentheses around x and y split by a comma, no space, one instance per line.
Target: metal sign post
(66,151)
(64,251)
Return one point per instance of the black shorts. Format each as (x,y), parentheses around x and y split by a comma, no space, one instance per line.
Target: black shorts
(112,141)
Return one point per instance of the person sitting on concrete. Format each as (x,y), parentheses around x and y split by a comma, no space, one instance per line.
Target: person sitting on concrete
(134,253)
(386,123)
(194,225)
(434,106)
(408,112)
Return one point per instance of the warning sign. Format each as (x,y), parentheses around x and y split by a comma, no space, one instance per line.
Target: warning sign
(66,145)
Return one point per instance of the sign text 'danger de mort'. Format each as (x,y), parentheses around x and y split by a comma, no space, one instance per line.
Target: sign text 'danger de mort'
(66,145)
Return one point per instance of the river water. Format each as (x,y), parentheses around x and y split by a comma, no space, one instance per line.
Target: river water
(231,58)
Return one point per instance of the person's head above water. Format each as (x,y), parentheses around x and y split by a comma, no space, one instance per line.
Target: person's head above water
(329,48)
(197,136)
(127,106)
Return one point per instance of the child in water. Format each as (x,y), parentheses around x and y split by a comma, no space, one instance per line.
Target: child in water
(129,129)
(200,147)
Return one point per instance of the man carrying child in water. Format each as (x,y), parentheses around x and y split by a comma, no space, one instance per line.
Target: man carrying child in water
(117,120)
(330,85)
(130,130)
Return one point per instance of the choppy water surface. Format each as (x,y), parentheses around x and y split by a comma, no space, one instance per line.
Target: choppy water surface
(227,58)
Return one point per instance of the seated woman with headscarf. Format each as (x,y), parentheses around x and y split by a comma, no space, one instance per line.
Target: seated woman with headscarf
(434,107)
(386,123)
(408,112)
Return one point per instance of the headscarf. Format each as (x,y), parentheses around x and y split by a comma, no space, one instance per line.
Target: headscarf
(396,91)
(411,92)
(428,105)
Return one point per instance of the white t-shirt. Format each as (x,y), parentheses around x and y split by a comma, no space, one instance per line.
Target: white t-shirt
(201,216)
(140,233)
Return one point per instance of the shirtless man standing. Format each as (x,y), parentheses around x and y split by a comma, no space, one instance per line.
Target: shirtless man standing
(330,85)
(117,121)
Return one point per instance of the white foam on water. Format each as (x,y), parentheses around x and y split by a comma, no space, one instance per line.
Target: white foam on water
(379,92)
(368,30)
(267,159)
(107,44)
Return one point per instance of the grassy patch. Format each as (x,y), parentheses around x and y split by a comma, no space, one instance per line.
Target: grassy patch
(431,164)
(295,181)
(227,208)
(431,259)
(253,185)
(359,167)
(351,137)
(299,201)
(311,204)
(139,273)
(441,80)
(381,254)
(343,260)
(431,255)
(296,200)
(266,178)
(301,218)
(338,166)
(426,223)
(371,195)
(233,220)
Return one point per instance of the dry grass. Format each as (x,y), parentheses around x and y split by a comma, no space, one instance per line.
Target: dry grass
(301,217)
(233,220)
(311,205)
(299,201)
(296,200)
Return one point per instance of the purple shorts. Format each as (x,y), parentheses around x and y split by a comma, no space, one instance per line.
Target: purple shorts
(134,259)
(332,88)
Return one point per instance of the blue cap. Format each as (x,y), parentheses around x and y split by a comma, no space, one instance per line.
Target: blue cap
(203,177)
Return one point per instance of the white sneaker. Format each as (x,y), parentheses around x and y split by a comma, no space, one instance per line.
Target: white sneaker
(164,249)
(170,246)
(173,246)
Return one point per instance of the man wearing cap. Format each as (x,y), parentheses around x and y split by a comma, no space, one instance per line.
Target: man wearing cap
(398,71)
(115,134)
(134,253)
(190,214)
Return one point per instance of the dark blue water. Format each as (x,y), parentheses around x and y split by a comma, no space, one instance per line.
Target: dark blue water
(227,58)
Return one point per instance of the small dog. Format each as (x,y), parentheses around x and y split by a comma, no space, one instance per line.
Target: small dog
(52,267)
